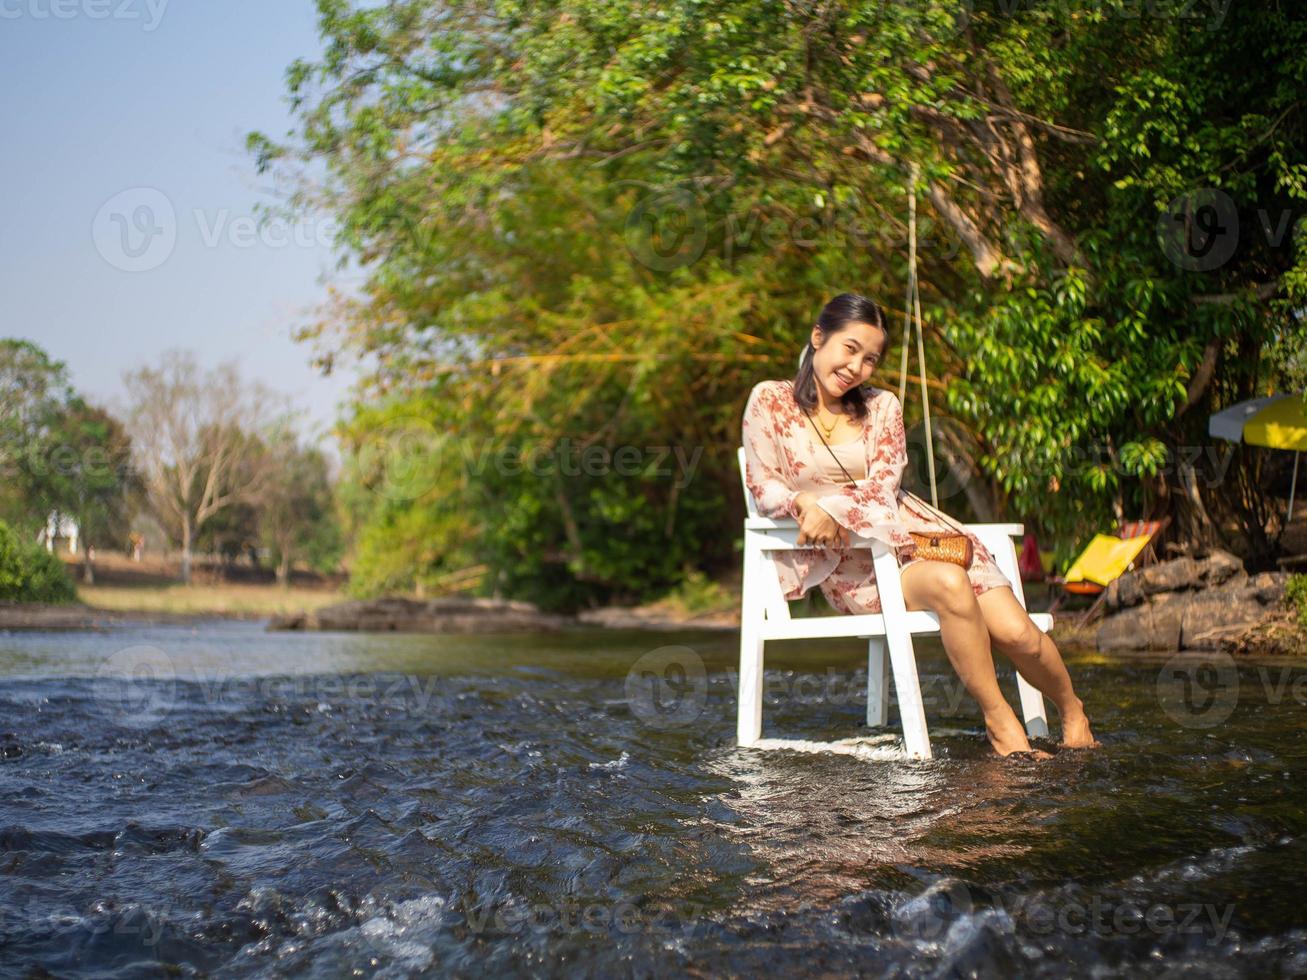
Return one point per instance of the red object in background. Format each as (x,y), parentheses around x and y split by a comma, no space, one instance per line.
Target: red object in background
(1029,564)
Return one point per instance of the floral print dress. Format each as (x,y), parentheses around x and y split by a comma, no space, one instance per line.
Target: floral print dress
(781,461)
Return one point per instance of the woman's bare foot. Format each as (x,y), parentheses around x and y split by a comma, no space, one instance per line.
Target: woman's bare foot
(1076,733)
(1007,736)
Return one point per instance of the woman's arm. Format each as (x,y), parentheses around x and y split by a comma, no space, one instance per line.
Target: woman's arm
(870,507)
(762,473)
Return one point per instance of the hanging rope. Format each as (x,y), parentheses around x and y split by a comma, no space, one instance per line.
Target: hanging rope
(911,317)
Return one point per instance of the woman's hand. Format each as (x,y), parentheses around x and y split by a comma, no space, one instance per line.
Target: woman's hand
(816,526)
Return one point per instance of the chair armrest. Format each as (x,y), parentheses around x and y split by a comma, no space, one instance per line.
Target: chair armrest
(769,523)
(780,535)
(774,523)
(1011,530)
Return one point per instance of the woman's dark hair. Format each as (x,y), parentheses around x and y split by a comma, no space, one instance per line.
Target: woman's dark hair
(844,309)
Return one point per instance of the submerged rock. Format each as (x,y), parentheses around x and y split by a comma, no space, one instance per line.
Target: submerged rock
(1189,604)
(446,615)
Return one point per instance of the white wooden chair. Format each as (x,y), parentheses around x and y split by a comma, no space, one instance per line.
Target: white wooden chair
(765,615)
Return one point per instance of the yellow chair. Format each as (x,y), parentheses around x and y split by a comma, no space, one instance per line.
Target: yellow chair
(1106,558)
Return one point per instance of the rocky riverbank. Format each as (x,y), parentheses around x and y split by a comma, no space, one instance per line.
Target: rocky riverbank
(396,614)
(79,616)
(462,615)
(1193,603)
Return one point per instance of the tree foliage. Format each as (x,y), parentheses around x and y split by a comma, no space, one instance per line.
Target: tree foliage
(598,224)
(29,573)
(60,453)
(297,517)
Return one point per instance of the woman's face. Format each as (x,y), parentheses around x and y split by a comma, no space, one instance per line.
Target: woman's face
(846,358)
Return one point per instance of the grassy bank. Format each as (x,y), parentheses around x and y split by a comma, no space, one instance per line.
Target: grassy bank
(153,586)
(217,600)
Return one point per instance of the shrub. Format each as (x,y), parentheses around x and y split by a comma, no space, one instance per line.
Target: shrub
(29,573)
(1295,596)
(697,593)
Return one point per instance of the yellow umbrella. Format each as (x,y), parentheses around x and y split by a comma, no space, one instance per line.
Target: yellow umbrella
(1277,422)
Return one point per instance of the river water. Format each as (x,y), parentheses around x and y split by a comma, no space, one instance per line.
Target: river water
(220,801)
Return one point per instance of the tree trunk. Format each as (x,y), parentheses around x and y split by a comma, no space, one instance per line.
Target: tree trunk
(283,570)
(88,570)
(186,550)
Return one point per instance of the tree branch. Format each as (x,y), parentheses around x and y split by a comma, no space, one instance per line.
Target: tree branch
(1201,377)
(1263,290)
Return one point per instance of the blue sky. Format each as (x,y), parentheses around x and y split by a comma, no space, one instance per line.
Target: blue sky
(113,107)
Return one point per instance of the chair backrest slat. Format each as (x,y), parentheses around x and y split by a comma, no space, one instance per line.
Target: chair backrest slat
(750,504)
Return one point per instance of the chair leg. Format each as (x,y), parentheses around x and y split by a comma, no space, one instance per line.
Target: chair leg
(748,720)
(877,683)
(1088,614)
(1032,709)
(749,714)
(907,687)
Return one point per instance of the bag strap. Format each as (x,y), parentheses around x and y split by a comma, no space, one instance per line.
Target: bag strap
(946,519)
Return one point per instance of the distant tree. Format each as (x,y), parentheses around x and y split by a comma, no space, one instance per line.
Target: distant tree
(196,438)
(232,533)
(58,453)
(84,469)
(297,516)
(33,392)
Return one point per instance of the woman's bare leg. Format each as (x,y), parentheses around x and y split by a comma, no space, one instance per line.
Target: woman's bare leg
(945,590)
(1036,658)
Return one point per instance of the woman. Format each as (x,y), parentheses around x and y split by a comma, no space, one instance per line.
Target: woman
(791,473)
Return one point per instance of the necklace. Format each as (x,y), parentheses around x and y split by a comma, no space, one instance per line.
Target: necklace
(826,430)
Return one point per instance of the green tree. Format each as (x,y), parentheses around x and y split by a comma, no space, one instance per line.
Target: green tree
(83,468)
(603,222)
(33,392)
(297,517)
